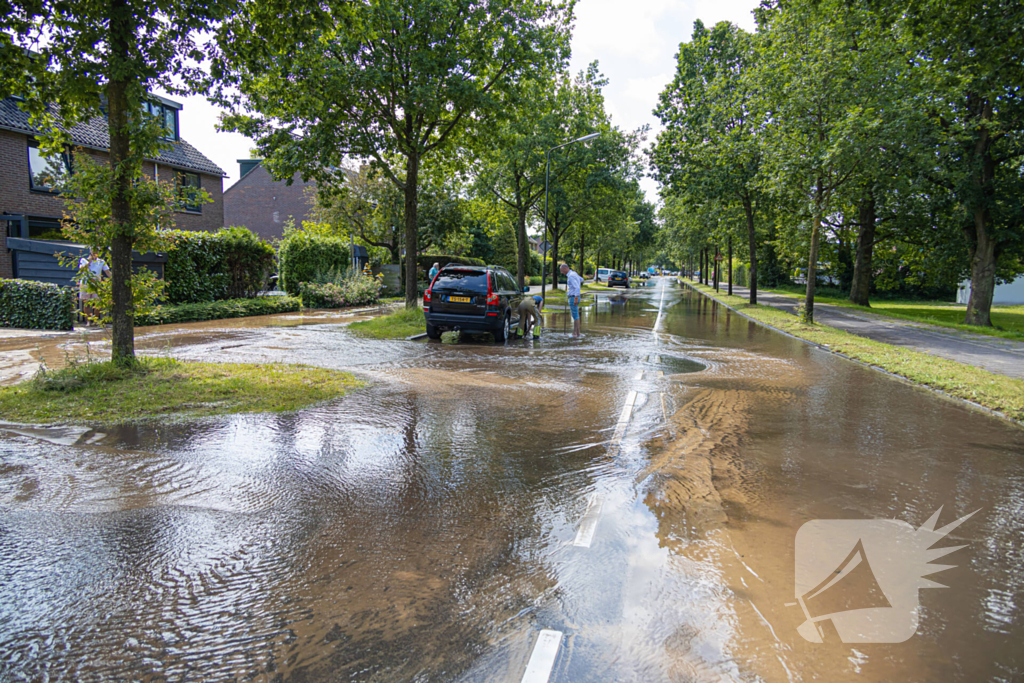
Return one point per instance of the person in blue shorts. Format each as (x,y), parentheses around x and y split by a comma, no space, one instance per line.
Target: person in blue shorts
(572,295)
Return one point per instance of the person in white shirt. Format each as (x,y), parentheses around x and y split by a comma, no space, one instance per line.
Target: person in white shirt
(572,294)
(91,270)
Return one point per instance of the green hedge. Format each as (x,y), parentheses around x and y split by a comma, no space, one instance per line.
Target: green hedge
(36,305)
(424,262)
(217,310)
(359,291)
(302,256)
(231,263)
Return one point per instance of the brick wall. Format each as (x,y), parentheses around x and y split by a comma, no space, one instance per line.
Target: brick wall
(210,216)
(263,204)
(17,198)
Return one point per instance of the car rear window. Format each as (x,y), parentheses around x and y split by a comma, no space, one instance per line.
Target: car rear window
(462,280)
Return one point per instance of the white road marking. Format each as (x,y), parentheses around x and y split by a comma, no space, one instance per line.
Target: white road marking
(588,525)
(661,306)
(542,661)
(639,375)
(627,411)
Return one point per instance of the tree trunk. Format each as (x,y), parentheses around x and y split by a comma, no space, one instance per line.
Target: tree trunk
(861,287)
(583,260)
(122,309)
(412,171)
(983,248)
(730,265)
(718,267)
(812,259)
(748,209)
(983,274)
(521,247)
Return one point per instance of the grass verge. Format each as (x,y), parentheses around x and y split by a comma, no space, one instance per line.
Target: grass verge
(1002,394)
(160,387)
(218,310)
(398,325)
(1008,320)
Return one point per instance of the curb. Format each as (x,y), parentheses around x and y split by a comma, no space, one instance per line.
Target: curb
(939,392)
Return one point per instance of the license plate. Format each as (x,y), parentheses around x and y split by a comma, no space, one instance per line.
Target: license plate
(459,299)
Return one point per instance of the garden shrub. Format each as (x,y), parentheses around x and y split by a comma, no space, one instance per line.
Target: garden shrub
(218,310)
(355,291)
(36,305)
(228,264)
(301,256)
(425,261)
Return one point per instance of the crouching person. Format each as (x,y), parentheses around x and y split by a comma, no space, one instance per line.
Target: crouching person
(529,315)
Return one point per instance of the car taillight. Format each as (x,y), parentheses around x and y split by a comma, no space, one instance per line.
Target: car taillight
(493,299)
(426,296)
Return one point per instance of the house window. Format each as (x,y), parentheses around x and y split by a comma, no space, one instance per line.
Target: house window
(189,186)
(46,173)
(166,116)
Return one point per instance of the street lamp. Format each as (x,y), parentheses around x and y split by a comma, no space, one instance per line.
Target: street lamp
(547,179)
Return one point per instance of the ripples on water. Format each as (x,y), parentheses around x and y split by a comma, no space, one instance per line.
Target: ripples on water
(423,528)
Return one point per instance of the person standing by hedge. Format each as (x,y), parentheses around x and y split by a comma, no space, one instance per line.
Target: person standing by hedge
(434,271)
(91,271)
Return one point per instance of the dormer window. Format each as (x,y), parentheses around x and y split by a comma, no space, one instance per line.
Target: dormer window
(166,115)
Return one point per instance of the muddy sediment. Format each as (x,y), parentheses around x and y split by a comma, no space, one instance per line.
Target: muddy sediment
(426,528)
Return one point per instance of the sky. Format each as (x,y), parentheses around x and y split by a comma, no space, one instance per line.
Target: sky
(634,43)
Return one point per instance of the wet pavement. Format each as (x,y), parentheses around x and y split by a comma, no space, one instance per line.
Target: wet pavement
(621,507)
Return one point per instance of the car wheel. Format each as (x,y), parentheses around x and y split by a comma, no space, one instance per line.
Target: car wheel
(432,332)
(502,334)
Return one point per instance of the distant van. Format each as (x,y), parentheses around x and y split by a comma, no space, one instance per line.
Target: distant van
(602,274)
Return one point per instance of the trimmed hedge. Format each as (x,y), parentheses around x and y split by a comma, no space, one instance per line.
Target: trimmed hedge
(218,310)
(358,292)
(36,305)
(231,263)
(303,256)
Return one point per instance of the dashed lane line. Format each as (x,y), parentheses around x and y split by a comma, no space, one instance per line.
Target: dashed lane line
(588,525)
(542,661)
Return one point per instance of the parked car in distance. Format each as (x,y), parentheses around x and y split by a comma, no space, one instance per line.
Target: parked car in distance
(643,275)
(602,274)
(618,278)
(473,299)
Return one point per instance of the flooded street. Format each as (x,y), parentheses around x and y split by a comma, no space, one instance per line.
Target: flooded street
(638,491)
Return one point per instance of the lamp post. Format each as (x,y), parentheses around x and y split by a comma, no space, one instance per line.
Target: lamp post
(547,179)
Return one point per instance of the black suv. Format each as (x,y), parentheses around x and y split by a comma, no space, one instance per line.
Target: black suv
(472,299)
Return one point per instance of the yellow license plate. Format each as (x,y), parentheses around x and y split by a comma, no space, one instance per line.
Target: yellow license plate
(459,299)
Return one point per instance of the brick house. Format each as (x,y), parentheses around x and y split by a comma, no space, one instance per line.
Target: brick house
(30,211)
(263,204)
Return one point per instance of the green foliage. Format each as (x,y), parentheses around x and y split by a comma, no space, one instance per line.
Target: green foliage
(386,80)
(232,263)
(217,310)
(36,305)
(359,290)
(425,261)
(303,256)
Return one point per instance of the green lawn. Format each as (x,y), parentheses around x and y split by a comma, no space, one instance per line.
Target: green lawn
(1008,320)
(1000,393)
(161,387)
(402,323)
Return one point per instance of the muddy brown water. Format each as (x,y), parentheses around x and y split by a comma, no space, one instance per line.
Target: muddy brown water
(423,528)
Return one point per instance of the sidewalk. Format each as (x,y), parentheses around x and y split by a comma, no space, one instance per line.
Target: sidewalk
(1002,356)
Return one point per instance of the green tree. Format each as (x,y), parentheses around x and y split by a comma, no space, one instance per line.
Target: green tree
(709,148)
(92,59)
(971,55)
(815,77)
(380,80)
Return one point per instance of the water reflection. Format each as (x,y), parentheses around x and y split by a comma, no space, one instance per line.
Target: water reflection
(423,528)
